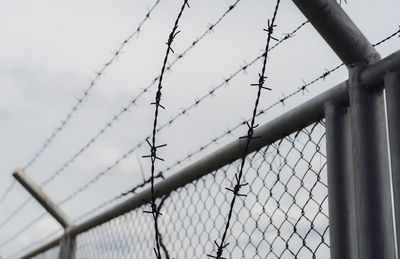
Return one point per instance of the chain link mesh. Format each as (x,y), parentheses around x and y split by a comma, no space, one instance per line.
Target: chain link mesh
(49,254)
(284,215)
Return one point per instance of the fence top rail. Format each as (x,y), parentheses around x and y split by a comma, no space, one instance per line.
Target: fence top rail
(276,129)
(298,118)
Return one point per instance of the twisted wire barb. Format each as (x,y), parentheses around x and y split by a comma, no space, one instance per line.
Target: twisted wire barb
(280,101)
(153,146)
(134,99)
(184,111)
(92,84)
(212,91)
(250,136)
(202,148)
(112,200)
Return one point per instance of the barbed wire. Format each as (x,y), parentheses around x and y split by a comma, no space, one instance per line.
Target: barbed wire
(178,115)
(229,131)
(280,101)
(36,243)
(23,229)
(92,84)
(8,190)
(15,212)
(153,146)
(133,101)
(387,38)
(112,200)
(250,136)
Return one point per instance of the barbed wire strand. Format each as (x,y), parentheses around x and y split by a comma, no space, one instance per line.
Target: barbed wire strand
(250,136)
(185,111)
(23,229)
(301,89)
(112,200)
(15,212)
(387,38)
(133,101)
(115,118)
(153,146)
(280,101)
(8,190)
(36,243)
(86,92)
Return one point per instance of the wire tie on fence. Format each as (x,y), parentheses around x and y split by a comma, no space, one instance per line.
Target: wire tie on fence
(219,251)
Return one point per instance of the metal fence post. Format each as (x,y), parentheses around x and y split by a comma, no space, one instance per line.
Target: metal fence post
(67,242)
(342,218)
(67,247)
(392,88)
(371,170)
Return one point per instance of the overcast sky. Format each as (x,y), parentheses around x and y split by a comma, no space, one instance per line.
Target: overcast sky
(51,50)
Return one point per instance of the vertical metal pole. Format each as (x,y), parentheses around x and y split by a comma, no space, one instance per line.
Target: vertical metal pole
(67,247)
(392,88)
(342,218)
(375,232)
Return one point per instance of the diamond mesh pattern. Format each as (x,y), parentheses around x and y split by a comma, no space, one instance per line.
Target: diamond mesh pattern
(284,215)
(49,254)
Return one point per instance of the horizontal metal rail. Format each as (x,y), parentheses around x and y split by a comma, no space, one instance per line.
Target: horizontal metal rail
(298,118)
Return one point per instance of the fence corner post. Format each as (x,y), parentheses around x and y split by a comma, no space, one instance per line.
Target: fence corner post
(374,216)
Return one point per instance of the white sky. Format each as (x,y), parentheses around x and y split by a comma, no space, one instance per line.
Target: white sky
(50,51)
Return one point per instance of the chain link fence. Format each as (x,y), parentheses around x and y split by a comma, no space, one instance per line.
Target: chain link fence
(284,215)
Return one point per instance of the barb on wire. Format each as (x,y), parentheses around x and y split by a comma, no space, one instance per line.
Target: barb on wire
(249,137)
(86,92)
(134,99)
(112,200)
(153,146)
(303,88)
(196,103)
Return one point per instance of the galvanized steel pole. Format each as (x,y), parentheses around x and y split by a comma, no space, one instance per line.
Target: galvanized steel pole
(342,214)
(67,242)
(41,197)
(392,88)
(375,231)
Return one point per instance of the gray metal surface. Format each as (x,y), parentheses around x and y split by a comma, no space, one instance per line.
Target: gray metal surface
(371,170)
(67,247)
(342,218)
(392,90)
(286,124)
(53,243)
(41,197)
(338,30)
(298,118)
(373,75)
